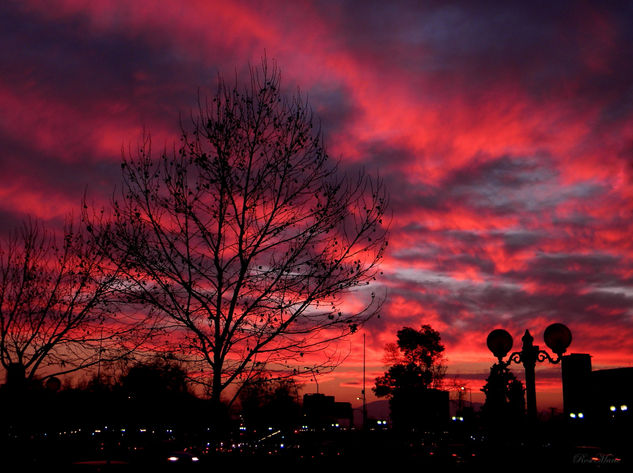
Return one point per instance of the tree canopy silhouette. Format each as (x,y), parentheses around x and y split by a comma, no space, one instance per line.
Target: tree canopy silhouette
(245,237)
(505,397)
(147,380)
(415,368)
(270,403)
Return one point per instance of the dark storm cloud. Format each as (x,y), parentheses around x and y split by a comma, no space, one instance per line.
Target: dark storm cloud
(454,302)
(10,221)
(519,240)
(500,185)
(72,62)
(333,108)
(570,269)
(496,185)
(50,175)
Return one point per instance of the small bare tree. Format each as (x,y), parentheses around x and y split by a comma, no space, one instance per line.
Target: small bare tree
(54,304)
(246,236)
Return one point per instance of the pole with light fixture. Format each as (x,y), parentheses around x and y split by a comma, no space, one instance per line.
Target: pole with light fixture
(364,392)
(557,338)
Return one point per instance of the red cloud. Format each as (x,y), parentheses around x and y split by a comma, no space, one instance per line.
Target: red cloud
(506,144)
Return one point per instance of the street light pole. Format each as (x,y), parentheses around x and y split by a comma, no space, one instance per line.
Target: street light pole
(364,392)
(557,338)
(529,354)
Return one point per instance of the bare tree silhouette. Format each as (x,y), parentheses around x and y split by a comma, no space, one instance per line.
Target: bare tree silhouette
(245,237)
(54,304)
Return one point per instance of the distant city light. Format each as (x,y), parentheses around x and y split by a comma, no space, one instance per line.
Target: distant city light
(172,459)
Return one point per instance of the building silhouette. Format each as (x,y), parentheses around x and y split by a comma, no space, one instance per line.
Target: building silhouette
(596,396)
(321,411)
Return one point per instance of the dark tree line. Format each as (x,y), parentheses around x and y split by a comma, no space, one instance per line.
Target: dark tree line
(145,394)
(265,403)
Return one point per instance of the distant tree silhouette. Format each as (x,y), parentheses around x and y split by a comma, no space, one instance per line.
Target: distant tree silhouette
(416,367)
(505,398)
(158,391)
(245,238)
(153,392)
(54,304)
(147,380)
(270,403)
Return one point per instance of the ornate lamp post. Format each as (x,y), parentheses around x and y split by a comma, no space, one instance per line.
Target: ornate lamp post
(557,338)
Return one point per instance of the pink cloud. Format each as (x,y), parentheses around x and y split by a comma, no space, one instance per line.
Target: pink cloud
(506,145)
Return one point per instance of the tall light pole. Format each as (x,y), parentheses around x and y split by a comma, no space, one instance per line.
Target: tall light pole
(557,338)
(364,392)
(311,370)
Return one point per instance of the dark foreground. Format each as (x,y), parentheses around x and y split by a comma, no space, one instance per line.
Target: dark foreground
(345,450)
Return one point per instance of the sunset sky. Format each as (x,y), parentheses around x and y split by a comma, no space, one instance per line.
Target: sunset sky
(503,132)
